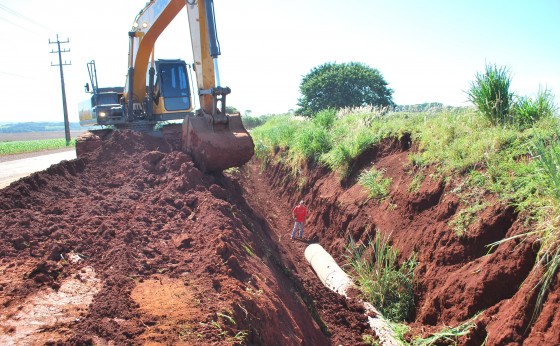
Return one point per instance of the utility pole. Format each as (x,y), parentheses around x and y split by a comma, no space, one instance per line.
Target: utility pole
(60,64)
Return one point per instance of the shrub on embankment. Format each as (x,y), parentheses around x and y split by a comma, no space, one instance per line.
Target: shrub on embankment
(519,165)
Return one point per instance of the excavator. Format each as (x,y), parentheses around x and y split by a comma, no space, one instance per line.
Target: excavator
(215,140)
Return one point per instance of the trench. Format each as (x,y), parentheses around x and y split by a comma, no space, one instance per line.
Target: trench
(338,320)
(220,246)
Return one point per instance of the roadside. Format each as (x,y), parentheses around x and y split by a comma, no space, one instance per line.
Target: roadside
(14,167)
(21,156)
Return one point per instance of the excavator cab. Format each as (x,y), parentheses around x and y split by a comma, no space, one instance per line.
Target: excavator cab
(172,85)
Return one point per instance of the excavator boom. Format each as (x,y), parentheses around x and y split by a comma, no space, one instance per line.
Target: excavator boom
(215,140)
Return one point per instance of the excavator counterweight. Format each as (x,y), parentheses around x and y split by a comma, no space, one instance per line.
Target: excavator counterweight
(160,90)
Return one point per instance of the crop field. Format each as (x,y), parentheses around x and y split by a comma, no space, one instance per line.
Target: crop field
(17,143)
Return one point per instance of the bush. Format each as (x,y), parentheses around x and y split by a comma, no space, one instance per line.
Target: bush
(490,94)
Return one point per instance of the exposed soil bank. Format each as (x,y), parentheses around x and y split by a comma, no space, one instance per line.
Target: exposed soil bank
(134,245)
(158,253)
(458,276)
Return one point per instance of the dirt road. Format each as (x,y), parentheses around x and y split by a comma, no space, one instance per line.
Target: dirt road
(23,165)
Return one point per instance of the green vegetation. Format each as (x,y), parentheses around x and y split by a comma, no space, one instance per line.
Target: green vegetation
(251,121)
(464,217)
(225,332)
(334,139)
(508,146)
(490,93)
(373,181)
(527,110)
(446,336)
(333,85)
(385,284)
(18,147)
(547,154)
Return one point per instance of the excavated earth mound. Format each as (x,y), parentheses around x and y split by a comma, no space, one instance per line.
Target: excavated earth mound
(132,244)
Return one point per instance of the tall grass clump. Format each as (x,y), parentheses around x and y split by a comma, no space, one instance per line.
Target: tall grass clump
(548,159)
(325,118)
(376,185)
(382,282)
(490,94)
(526,110)
(310,141)
(277,132)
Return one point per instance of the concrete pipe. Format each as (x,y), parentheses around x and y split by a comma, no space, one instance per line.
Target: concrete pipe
(330,274)
(335,279)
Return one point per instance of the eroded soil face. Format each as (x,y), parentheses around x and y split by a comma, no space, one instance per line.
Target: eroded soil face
(458,276)
(134,245)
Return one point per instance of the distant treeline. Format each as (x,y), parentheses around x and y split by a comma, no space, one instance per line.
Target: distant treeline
(36,127)
(426,107)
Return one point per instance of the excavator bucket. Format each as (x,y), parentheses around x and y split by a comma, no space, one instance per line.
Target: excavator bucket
(216,147)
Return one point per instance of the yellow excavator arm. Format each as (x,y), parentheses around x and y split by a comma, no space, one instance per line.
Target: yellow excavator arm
(215,140)
(150,23)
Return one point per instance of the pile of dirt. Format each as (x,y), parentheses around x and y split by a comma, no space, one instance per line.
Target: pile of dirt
(458,276)
(132,244)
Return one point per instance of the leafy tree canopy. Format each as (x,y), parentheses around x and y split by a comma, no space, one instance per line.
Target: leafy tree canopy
(333,85)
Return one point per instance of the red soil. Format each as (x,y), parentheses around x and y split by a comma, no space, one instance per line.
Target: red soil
(158,253)
(168,255)
(457,277)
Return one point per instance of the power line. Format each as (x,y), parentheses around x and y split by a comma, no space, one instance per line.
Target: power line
(15,24)
(21,16)
(15,75)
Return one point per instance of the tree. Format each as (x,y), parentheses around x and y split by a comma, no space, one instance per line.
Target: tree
(333,85)
(231,110)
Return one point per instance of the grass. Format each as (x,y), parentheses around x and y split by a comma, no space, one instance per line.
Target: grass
(547,154)
(446,336)
(230,336)
(383,283)
(373,180)
(18,147)
(518,165)
(333,139)
(490,93)
(527,110)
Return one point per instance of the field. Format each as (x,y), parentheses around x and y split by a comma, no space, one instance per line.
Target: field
(28,142)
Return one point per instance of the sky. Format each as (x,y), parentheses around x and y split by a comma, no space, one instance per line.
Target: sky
(427,50)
